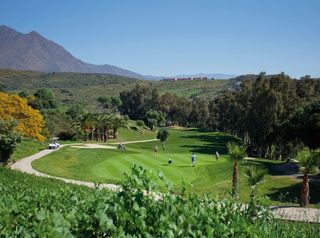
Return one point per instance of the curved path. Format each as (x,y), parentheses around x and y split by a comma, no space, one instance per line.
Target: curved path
(24,165)
(281,212)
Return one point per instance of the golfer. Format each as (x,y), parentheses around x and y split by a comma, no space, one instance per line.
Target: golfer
(217,155)
(193,159)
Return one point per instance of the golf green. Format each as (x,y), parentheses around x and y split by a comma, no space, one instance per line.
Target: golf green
(109,165)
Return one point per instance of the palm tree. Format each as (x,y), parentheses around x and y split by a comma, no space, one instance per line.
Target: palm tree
(308,165)
(92,120)
(107,123)
(117,123)
(255,177)
(84,123)
(236,153)
(99,126)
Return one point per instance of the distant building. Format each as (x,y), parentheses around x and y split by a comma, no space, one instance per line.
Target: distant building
(185,79)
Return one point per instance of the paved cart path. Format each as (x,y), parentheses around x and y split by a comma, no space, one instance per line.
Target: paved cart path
(281,212)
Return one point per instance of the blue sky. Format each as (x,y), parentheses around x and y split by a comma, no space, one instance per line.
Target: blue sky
(168,37)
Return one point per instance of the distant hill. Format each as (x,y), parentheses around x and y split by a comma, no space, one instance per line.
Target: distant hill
(32,51)
(86,88)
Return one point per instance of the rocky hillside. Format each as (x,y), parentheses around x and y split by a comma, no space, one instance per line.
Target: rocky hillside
(32,51)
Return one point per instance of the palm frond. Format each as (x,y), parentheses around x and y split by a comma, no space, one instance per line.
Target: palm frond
(236,152)
(255,176)
(309,163)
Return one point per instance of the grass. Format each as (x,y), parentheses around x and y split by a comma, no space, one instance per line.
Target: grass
(195,88)
(209,176)
(134,133)
(28,147)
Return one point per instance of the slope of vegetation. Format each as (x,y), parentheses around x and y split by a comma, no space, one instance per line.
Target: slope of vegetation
(28,147)
(194,88)
(68,87)
(38,207)
(86,88)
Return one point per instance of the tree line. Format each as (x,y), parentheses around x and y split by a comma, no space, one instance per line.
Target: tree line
(274,114)
(100,127)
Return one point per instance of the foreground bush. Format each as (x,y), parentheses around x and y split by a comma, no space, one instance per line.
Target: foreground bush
(38,207)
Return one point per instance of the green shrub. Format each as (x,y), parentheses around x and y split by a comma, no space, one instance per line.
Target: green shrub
(9,140)
(38,207)
(140,123)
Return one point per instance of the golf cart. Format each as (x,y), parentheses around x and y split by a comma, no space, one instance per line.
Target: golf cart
(54,143)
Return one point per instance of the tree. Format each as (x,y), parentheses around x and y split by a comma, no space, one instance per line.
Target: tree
(310,126)
(163,135)
(154,119)
(199,113)
(308,164)
(118,122)
(223,113)
(102,125)
(3,88)
(9,139)
(107,123)
(140,123)
(58,124)
(255,177)
(236,153)
(304,126)
(43,99)
(168,105)
(29,121)
(23,94)
(115,104)
(76,110)
(109,104)
(85,124)
(259,106)
(139,100)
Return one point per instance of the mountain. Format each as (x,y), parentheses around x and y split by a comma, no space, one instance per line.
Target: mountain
(32,51)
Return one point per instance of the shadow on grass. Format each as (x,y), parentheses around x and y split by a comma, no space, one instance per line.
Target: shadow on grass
(198,130)
(291,194)
(276,169)
(213,142)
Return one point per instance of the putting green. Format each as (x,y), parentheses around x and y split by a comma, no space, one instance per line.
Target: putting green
(108,165)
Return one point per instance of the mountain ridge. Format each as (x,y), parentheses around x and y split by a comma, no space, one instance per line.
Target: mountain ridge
(32,51)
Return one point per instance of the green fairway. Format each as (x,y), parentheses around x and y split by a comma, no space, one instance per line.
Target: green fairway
(209,175)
